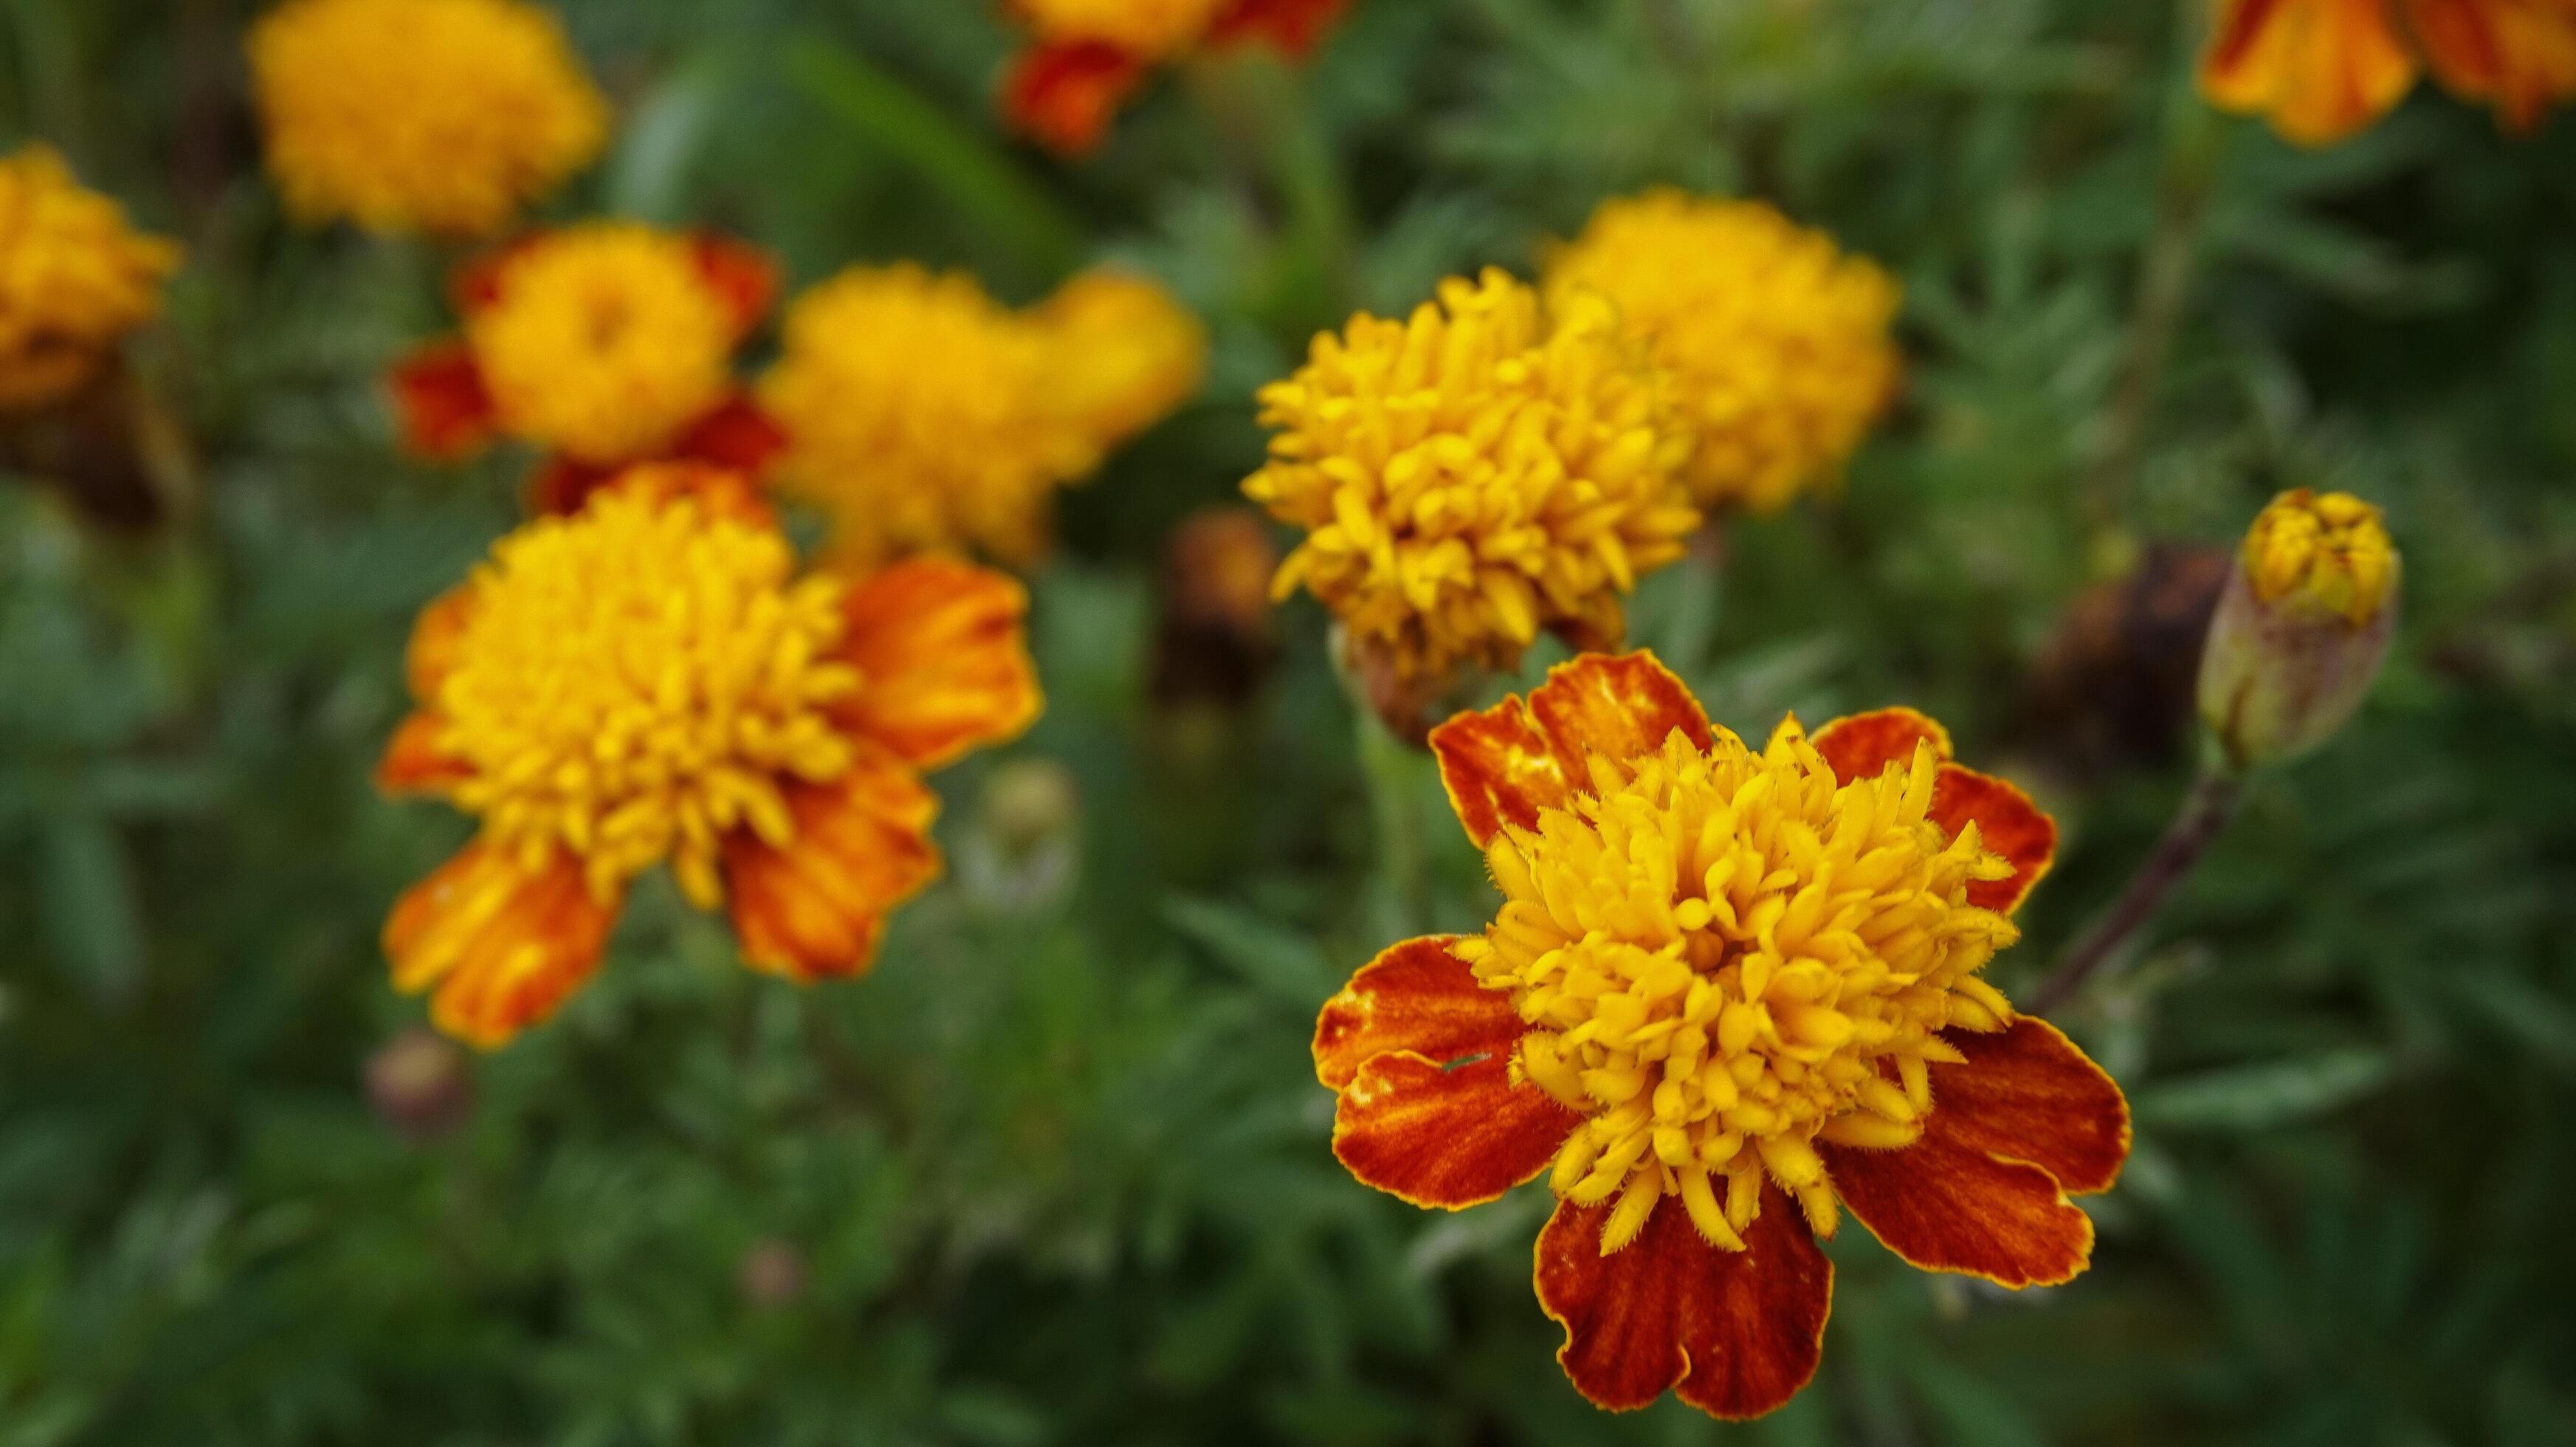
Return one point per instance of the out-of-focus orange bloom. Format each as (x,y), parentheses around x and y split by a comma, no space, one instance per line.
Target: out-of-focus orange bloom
(1090,56)
(1730,994)
(2324,69)
(651,680)
(604,345)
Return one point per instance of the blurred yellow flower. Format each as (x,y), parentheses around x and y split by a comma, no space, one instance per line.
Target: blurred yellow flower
(1486,469)
(441,116)
(603,340)
(1151,30)
(925,416)
(2323,552)
(73,279)
(1777,342)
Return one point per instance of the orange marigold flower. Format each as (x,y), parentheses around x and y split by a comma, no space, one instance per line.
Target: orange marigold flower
(441,116)
(605,344)
(74,279)
(1091,55)
(2324,69)
(1730,995)
(1777,343)
(923,415)
(650,680)
(1472,475)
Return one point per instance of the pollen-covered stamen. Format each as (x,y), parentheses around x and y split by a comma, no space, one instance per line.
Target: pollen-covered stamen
(1728,956)
(635,680)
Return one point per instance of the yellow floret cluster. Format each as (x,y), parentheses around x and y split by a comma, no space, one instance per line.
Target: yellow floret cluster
(603,341)
(634,680)
(73,279)
(2327,551)
(1488,468)
(1729,956)
(923,415)
(1778,344)
(1149,29)
(439,116)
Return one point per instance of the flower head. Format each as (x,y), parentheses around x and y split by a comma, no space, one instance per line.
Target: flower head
(2303,627)
(1777,343)
(603,344)
(441,116)
(1090,56)
(924,415)
(1730,995)
(1470,476)
(74,278)
(2324,69)
(651,680)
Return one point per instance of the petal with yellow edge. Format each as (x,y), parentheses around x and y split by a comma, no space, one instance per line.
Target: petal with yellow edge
(504,945)
(1418,996)
(1504,764)
(2008,823)
(414,763)
(2320,69)
(2027,1093)
(815,907)
(1863,745)
(441,406)
(942,660)
(1447,1137)
(1736,1333)
(2519,55)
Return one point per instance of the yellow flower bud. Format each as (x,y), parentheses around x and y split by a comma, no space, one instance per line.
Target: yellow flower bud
(2302,629)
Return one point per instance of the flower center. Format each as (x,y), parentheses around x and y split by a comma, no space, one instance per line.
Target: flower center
(1728,956)
(635,680)
(604,341)
(2331,549)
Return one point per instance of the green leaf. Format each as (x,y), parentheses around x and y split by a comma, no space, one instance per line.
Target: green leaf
(1286,967)
(2262,1097)
(92,913)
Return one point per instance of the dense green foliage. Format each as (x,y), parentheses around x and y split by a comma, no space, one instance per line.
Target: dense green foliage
(1058,1171)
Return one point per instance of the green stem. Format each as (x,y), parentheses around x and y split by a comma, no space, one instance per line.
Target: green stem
(1400,897)
(2196,825)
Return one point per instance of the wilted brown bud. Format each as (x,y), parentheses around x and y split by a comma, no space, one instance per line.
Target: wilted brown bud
(421,1085)
(107,446)
(2302,628)
(1214,643)
(2116,682)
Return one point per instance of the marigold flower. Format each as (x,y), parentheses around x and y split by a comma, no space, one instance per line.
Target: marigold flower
(74,279)
(1730,995)
(1777,343)
(1091,55)
(2324,69)
(2303,627)
(605,344)
(1468,477)
(651,680)
(440,116)
(923,415)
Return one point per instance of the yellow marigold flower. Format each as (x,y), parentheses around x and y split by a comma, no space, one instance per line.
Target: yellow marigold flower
(652,680)
(1778,344)
(1729,995)
(924,415)
(443,116)
(1132,354)
(2301,632)
(603,340)
(73,279)
(1473,475)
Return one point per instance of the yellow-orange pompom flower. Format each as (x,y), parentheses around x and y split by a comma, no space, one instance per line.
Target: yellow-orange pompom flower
(1777,343)
(437,116)
(652,680)
(1730,994)
(1468,477)
(2324,69)
(923,415)
(74,278)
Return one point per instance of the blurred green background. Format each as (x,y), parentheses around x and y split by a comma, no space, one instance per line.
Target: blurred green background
(1058,1172)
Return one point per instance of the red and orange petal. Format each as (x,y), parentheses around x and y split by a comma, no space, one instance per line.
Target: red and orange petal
(441,406)
(1296,27)
(1446,1136)
(2008,822)
(2024,1123)
(503,945)
(1419,997)
(431,653)
(1735,1333)
(1503,765)
(737,439)
(2320,69)
(942,657)
(413,763)
(816,908)
(1065,95)
(744,276)
(2519,55)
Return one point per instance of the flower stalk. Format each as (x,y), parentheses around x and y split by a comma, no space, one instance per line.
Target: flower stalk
(2204,816)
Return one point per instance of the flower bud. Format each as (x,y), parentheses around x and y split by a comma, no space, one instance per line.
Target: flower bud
(2302,629)
(421,1085)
